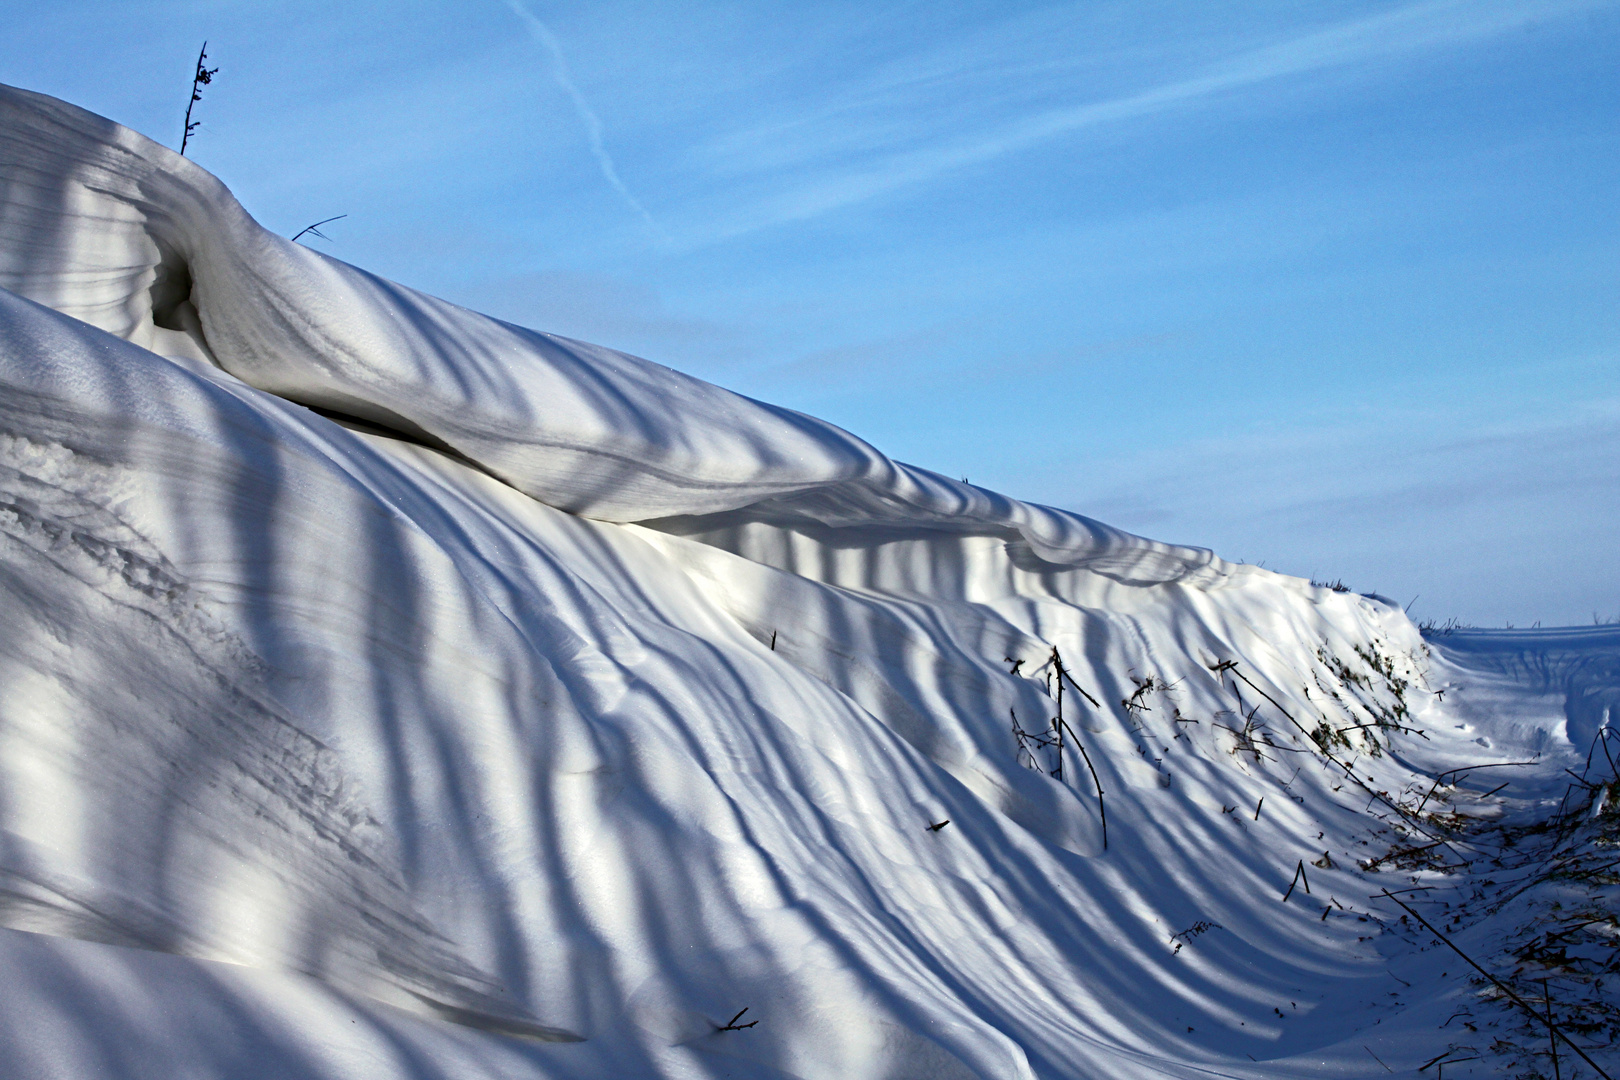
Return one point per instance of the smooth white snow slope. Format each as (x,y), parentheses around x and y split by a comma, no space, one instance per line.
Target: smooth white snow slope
(530,710)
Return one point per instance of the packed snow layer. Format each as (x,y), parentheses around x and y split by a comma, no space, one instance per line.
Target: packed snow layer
(533,709)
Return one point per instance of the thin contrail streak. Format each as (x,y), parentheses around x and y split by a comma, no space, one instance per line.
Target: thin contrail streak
(587,115)
(1407,31)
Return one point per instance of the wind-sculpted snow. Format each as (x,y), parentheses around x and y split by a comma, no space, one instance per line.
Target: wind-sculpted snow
(106,225)
(332,730)
(1580,663)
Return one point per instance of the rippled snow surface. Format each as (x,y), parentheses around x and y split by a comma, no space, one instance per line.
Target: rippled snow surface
(389,691)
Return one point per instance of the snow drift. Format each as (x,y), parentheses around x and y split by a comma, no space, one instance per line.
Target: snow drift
(424,668)
(107,226)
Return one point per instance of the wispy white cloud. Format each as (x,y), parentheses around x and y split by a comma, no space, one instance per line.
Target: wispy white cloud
(587,116)
(1393,35)
(1431,501)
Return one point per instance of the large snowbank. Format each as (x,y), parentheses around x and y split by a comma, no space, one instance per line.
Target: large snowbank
(532,708)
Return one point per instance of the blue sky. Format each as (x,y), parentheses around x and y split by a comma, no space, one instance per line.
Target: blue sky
(1328,286)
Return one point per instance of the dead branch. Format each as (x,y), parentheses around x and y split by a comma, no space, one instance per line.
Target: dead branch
(199,79)
(1299,876)
(732,1025)
(315,228)
(1552,1029)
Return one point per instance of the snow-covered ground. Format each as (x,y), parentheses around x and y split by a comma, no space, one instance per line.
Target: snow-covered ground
(389,691)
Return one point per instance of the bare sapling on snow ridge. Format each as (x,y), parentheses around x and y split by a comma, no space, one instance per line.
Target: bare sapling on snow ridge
(391,691)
